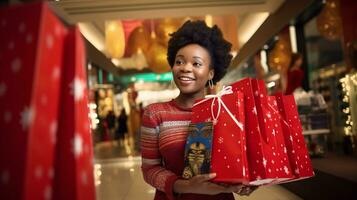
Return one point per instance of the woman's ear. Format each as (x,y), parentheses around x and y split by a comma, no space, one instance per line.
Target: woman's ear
(210,74)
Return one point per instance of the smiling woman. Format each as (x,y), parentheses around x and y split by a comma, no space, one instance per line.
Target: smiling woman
(197,55)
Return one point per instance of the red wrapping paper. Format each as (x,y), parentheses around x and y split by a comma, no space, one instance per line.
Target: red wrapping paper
(228,158)
(31,39)
(74,154)
(292,131)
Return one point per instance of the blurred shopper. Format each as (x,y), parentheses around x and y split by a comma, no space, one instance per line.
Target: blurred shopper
(295,74)
(122,130)
(111,123)
(198,56)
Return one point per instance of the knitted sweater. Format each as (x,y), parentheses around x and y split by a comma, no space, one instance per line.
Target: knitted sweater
(163,136)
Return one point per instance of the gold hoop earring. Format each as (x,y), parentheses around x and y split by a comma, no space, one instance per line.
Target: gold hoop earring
(210,83)
(173,85)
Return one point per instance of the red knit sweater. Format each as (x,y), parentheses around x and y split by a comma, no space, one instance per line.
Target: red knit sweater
(163,136)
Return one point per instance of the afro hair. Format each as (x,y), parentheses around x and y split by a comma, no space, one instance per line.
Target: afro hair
(197,32)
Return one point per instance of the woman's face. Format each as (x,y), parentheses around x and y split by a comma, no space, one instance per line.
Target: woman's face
(191,69)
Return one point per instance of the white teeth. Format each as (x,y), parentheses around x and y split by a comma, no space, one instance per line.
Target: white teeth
(186,79)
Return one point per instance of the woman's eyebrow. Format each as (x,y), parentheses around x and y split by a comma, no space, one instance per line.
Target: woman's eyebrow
(180,56)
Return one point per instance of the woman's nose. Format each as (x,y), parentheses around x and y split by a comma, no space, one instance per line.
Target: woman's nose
(187,67)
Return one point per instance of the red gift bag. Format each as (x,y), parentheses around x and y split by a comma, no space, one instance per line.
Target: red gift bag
(74,154)
(298,154)
(31,39)
(266,157)
(269,122)
(228,156)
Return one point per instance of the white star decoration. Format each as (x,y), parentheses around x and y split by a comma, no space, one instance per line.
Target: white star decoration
(269,115)
(286,170)
(243,171)
(77,145)
(27,117)
(273,132)
(254,110)
(264,162)
(220,140)
(77,87)
(2,89)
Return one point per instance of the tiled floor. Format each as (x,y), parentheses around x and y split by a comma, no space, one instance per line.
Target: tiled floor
(121,179)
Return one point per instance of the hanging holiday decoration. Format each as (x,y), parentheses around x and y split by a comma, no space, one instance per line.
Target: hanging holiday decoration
(156,57)
(114,39)
(139,39)
(329,21)
(279,57)
(166,26)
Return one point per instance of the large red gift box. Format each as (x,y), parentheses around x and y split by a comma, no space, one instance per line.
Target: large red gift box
(268,162)
(228,156)
(31,39)
(294,139)
(74,157)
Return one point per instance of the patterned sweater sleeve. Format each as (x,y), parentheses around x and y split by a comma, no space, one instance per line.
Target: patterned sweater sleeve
(153,170)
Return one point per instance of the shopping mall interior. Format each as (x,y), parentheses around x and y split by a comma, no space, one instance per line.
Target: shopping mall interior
(126,69)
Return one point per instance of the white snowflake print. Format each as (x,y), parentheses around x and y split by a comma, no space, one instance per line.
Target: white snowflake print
(225,157)
(291,138)
(269,115)
(272,161)
(273,132)
(220,140)
(238,160)
(264,162)
(297,171)
(228,166)
(3,89)
(286,170)
(243,171)
(256,93)
(269,170)
(16,65)
(27,117)
(218,150)
(254,110)
(77,87)
(77,145)
(285,150)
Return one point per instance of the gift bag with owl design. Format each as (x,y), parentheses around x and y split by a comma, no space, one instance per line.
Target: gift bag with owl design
(198,149)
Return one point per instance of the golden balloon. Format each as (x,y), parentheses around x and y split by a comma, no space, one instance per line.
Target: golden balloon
(279,57)
(156,57)
(165,27)
(138,40)
(114,39)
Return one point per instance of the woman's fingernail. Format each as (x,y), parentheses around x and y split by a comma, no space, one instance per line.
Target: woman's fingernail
(212,175)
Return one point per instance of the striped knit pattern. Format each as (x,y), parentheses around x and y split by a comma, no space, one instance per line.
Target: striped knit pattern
(163,136)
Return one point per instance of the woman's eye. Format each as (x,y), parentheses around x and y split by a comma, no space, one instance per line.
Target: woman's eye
(178,62)
(197,64)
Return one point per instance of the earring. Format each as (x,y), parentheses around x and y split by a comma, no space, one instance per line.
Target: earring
(173,85)
(210,83)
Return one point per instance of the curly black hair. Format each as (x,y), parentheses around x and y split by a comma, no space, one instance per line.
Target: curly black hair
(197,32)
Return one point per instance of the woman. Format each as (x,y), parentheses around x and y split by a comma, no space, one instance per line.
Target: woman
(295,74)
(198,56)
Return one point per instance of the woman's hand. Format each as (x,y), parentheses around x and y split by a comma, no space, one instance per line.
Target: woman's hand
(200,184)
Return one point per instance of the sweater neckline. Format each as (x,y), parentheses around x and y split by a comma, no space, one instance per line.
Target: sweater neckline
(175,104)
